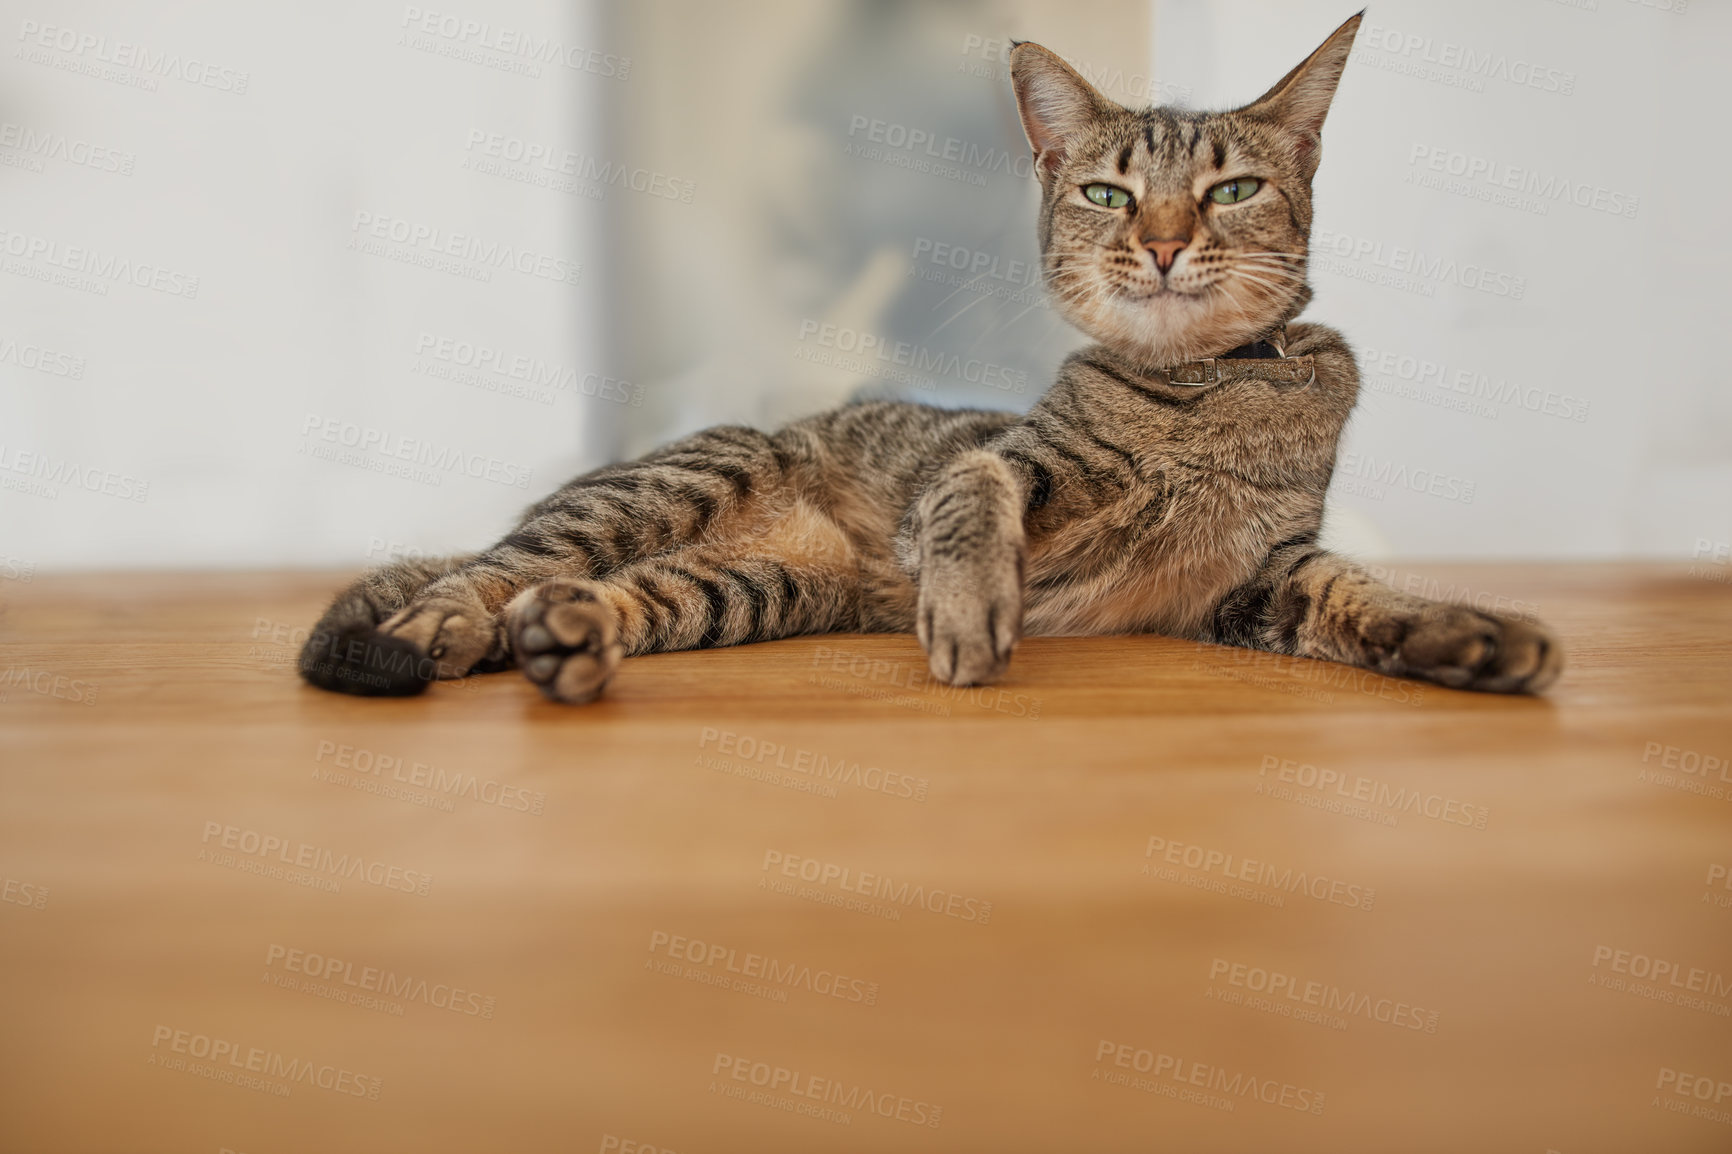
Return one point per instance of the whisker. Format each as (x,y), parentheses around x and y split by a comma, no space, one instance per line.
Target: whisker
(954,315)
(969,283)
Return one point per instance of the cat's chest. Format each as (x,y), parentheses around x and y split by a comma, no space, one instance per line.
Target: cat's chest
(1158,550)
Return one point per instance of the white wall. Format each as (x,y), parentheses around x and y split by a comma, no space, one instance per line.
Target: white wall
(206,396)
(237,151)
(1620,316)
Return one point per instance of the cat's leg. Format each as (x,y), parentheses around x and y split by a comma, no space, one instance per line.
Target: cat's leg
(344,651)
(969,545)
(568,635)
(1313,603)
(452,624)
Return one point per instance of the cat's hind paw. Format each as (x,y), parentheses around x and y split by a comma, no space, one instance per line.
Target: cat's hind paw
(1466,649)
(565,640)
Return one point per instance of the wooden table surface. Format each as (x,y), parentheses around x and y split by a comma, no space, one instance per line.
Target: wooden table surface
(1144,895)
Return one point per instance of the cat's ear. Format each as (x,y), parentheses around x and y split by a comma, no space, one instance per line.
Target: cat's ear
(1300,101)
(1056,104)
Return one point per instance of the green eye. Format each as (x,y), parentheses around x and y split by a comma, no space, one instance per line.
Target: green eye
(1233,191)
(1107,196)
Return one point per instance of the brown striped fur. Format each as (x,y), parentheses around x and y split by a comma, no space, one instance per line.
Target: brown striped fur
(1120,503)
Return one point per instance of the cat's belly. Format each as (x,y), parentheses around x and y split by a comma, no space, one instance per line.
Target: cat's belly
(1166,599)
(1096,578)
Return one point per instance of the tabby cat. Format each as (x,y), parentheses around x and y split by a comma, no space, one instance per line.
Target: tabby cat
(1172,479)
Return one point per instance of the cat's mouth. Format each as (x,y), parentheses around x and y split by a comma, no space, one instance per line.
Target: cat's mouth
(1162,295)
(1148,290)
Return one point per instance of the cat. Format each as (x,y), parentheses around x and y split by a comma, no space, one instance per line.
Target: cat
(1171,480)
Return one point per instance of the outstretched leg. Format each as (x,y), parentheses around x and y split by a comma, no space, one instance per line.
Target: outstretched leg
(1312,603)
(447,620)
(345,651)
(568,635)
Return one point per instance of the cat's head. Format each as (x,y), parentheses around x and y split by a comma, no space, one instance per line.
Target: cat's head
(1170,235)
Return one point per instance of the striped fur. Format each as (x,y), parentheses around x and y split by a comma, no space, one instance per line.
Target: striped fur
(1120,503)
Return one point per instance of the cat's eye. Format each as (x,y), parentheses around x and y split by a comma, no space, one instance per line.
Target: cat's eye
(1107,195)
(1233,191)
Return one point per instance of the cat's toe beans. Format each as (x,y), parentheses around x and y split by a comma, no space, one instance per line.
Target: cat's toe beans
(541,669)
(1528,660)
(581,678)
(566,642)
(1465,649)
(573,624)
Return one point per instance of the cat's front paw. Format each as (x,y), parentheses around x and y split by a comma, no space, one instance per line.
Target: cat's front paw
(1466,649)
(969,628)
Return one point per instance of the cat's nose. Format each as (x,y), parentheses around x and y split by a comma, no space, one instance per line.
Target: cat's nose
(1166,251)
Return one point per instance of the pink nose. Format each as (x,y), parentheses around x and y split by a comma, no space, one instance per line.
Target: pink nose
(1166,252)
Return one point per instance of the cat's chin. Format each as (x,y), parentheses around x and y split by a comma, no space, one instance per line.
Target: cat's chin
(1172,328)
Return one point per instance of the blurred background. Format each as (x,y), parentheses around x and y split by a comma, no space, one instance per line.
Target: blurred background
(322,284)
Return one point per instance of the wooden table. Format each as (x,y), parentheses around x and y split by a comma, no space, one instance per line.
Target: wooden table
(1144,895)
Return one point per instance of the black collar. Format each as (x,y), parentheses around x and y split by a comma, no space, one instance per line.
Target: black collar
(1264,359)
